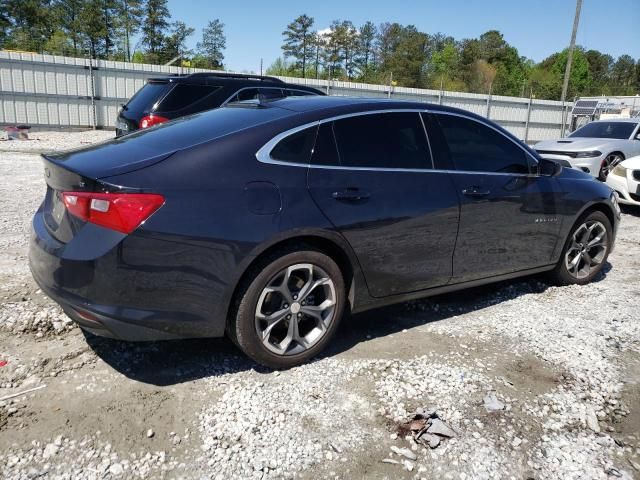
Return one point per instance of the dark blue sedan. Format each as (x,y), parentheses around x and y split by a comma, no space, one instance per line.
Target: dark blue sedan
(265,221)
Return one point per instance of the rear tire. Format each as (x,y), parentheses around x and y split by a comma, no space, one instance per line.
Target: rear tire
(288,308)
(585,251)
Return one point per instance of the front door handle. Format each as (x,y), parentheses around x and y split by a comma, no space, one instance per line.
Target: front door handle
(475,192)
(351,195)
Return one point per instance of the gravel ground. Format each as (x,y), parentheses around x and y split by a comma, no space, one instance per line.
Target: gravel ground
(537,382)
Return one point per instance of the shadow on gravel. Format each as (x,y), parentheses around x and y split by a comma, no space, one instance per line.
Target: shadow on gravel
(177,361)
(173,361)
(630,210)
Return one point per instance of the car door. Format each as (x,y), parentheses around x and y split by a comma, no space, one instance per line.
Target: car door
(371,175)
(509,218)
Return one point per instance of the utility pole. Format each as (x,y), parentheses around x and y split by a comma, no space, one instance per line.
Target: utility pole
(567,70)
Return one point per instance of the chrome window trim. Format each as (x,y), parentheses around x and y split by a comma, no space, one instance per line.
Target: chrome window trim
(263,155)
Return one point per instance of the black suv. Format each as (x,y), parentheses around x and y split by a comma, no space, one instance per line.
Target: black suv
(166,98)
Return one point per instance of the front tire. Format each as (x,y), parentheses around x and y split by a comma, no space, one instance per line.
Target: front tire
(289,308)
(609,164)
(585,251)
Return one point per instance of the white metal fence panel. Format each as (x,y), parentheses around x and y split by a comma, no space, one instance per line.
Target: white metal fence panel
(52,92)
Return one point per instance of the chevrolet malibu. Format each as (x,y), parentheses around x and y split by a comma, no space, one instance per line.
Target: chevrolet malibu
(268,221)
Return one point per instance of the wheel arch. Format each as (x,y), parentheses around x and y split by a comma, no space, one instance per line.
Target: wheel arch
(597,207)
(330,243)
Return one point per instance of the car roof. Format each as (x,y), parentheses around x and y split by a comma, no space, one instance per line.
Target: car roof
(228,79)
(621,120)
(326,105)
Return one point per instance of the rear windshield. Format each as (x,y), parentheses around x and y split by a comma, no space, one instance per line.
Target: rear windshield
(618,130)
(184,95)
(144,99)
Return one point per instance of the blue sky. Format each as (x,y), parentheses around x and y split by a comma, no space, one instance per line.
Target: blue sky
(536,28)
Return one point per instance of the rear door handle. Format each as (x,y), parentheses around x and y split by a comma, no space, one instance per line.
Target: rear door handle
(351,195)
(475,192)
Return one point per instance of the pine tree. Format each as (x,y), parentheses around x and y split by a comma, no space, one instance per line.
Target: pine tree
(93,28)
(68,14)
(297,41)
(212,44)
(130,14)
(154,27)
(176,43)
(366,51)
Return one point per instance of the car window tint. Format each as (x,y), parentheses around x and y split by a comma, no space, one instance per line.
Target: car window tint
(269,93)
(382,140)
(296,148)
(246,94)
(324,150)
(617,130)
(475,147)
(298,93)
(184,95)
(146,97)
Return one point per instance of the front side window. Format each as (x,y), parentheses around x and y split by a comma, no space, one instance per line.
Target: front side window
(382,140)
(475,147)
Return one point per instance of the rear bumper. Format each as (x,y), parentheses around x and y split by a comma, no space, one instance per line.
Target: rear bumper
(114,289)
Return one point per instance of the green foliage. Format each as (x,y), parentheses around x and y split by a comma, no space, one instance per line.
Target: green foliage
(298,39)
(210,48)
(175,44)
(154,28)
(375,54)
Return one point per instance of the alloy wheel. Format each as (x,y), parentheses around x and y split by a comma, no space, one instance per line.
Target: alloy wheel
(295,309)
(587,250)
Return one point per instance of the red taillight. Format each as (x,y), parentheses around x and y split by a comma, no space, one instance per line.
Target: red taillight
(151,120)
(123,212)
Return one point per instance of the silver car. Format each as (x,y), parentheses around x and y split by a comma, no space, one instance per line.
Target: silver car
(597,147)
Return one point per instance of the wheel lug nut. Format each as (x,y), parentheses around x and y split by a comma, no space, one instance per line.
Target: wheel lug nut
(286,305)
(299,315)
(295,297)
(288,317)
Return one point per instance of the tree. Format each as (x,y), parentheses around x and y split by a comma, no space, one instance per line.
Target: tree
(68,13)
(317,44)
(93,28)
(366,58)
(154,27)
(297,41)
(600,66)
(28,24)
(623,75)
(212,45)
(402,53)
(130,15)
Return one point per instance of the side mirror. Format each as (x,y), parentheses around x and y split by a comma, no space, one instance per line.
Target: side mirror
(549,168)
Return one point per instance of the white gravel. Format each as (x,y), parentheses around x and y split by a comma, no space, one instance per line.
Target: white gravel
(559,367)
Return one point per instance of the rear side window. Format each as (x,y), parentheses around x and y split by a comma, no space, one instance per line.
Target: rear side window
(382,140)
(475,147)
(184,95)
(297,93)
(257,93)
(147,96)
(296,148)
